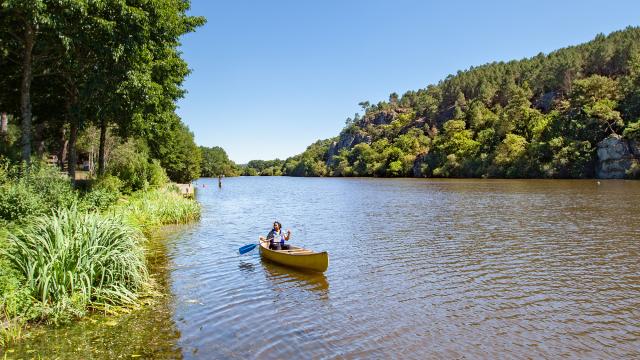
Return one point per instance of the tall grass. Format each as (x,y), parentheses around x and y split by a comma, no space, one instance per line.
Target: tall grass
(72,260)
(154,208)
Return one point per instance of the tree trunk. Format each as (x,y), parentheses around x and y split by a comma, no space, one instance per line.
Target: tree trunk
(103,139)
(25,90)
(73,136)
(62,152)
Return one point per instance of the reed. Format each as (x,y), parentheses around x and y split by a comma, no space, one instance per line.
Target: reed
(72,260)
(153,208)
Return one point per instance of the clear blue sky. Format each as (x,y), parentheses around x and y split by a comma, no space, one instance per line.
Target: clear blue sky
(271,77)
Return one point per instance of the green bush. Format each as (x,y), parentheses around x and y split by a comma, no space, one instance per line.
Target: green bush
(99,199)
(109,183)
(157,175)
(53,187)
(129,162)
(33,191)
(17,202)
(72,260)
(104,192)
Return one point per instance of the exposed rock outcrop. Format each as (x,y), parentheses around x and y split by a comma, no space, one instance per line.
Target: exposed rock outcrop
(616,156)
(346,140)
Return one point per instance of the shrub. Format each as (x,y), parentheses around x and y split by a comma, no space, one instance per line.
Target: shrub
(157,175)
(17,202)
(129,162)
(99,199)
(72,260)
(109,183)
(34,190)
(53,187)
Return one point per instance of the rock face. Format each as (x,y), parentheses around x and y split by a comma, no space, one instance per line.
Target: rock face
(346,140)
(616,156)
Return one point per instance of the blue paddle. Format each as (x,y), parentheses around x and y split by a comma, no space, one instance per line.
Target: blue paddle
(245,249)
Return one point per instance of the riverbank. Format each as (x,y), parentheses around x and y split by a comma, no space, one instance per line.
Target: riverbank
(66,254)
(148,332)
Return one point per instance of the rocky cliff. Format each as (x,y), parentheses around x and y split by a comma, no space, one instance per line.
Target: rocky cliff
(618,158)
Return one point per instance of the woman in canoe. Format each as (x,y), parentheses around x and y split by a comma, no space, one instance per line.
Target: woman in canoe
(277,237)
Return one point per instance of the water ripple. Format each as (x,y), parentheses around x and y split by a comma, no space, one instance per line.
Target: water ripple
(418,269)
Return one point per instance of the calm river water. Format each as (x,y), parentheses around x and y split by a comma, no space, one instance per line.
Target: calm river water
(418,269)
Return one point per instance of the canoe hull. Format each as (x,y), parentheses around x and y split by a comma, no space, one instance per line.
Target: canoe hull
(318,262)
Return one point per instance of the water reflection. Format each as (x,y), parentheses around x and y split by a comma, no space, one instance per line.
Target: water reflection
(246,266)
(281,276)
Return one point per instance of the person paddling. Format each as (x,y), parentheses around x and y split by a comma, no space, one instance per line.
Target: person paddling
(277,237)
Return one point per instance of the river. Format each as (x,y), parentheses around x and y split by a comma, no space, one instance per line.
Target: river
(419,268)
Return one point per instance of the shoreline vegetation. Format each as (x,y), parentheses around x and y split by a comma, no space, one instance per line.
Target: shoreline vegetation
(540,117)
(66,253)
(90,144)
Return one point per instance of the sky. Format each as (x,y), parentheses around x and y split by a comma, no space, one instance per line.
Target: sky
(271,77)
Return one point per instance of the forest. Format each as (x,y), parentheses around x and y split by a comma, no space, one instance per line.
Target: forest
(540,117)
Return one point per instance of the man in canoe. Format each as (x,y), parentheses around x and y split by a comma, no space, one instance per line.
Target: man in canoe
(277,238)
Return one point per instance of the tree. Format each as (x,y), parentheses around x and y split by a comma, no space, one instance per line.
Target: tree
(176,150)
(23,21)
(215,162)
(509,153)
(594,100)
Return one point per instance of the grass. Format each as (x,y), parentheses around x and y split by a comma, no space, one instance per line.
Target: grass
(154,208)
(65,252)
(11,330)
(74,260)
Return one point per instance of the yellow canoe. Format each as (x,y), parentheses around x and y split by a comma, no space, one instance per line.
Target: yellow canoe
(296,257)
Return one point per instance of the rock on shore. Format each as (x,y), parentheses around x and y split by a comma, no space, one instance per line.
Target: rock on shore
(616,157)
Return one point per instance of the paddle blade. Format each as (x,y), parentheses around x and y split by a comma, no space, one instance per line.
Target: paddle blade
(245,249)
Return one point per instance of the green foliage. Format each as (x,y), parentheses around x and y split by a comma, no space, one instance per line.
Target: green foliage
(157,175)
(537,117)
(632,131)
(34,190)
(215,162)
(313,162)
(509,157)
(264,167)
(129,162)
(458,149)
(99,199)
(570,159)
(249,171)
(130,169)
(177,152)
(72,260)
(595,99)
(150,209)
(108,183)
(18,203)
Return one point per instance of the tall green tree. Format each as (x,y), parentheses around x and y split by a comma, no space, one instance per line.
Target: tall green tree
(215,162)
(24,23)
